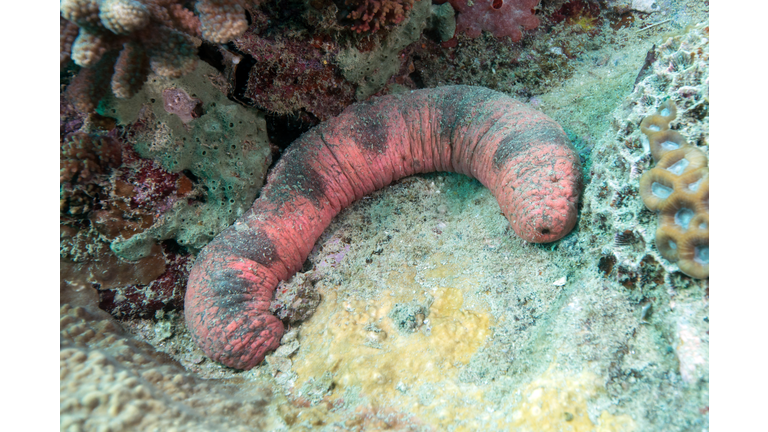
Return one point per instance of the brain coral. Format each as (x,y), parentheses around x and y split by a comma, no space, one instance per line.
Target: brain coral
(111,381)
(500,17)
(678,188)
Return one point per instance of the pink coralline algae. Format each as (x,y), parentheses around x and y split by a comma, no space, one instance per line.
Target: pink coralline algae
(371,15)
(500,17)
(521,155)
(177,101)
(147,187)
(295,74)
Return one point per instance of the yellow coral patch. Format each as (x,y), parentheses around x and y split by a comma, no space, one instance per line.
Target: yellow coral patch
(586,23)
(357,343)
(556,401)
(361,346)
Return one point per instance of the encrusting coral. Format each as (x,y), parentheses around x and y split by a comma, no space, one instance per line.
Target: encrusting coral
(678,188)
(121,40)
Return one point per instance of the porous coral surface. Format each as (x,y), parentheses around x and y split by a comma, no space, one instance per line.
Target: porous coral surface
(221,146)
(112,381)
(677,187)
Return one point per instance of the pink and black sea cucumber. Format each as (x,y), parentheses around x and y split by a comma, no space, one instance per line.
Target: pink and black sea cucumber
(520,154)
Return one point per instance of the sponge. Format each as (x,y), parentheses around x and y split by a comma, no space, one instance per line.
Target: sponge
(678,188)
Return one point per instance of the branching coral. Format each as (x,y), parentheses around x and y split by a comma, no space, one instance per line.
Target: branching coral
(67,34)
(221,20)
(500,17)
(677,187)
(119,41)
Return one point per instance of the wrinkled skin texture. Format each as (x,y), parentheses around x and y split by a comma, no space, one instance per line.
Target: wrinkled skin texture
(521,155)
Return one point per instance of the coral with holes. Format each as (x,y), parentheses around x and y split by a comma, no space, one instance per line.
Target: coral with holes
(678,188)
(500,17)
(219,159)
(120,41)
(371,15)
(371,69)
(619,221)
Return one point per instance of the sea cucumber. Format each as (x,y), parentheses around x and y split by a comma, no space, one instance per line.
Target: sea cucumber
(520,154)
